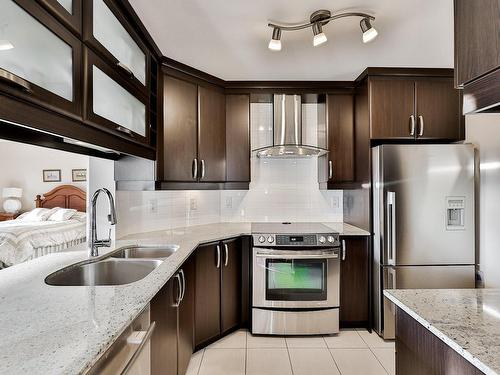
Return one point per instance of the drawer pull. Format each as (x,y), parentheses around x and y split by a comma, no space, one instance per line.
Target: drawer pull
(139,349)
(15,80)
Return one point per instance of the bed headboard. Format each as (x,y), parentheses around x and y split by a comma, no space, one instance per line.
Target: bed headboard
(65,196)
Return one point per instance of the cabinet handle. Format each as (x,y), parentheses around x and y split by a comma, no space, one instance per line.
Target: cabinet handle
(218,257)
(194,168)
(227,255)
(183,284)
(330,169)
(421,127)
(202,168)
(139,349)
(125,68)
(15,80)
(343,250)
(124,130)
(179,291)
(412,125)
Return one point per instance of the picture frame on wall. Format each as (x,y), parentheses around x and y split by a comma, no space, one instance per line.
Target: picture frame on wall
(51,175)
(79,175)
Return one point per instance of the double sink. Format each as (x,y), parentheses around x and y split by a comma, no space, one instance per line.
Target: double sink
(123,266)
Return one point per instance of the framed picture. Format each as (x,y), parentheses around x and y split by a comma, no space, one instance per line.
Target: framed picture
(79,175)
(51,175)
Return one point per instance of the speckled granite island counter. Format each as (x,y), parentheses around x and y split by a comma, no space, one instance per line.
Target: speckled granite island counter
(466,320)
(64,329)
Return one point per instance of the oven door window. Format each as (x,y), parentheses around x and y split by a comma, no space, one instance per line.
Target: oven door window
(296,279)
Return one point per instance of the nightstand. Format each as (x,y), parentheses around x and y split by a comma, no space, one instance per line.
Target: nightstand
(5,216)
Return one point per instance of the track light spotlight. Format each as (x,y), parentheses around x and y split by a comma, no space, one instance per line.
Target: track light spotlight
(275,42)
(319,35)
(369,32)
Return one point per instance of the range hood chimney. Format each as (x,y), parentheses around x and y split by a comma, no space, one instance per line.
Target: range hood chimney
(291,138)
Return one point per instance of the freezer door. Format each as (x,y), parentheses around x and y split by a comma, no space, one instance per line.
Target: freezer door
(424,208)
(421,277)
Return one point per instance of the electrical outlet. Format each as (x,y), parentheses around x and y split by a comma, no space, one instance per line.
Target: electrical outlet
(335,202)
(229,202)
(193,204)
(153,206)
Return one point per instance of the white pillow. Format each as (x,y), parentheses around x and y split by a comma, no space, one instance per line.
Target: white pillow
(62,214)
(37,214)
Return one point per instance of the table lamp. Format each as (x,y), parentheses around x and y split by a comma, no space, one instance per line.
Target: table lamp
(12,204)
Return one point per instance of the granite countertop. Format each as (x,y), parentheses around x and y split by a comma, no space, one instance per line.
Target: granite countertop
(467,320)
(64,329)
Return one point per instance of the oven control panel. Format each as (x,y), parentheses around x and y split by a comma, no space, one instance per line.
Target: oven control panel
(307,240)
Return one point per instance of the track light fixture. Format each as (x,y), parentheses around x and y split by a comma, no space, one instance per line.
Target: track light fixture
(316,21)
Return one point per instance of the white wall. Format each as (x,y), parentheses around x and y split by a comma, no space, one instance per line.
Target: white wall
(21,165)
(484,131)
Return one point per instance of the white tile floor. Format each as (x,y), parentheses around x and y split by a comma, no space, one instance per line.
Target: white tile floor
(351,352)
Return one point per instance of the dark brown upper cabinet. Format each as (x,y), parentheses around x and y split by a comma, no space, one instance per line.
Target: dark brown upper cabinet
(340,121)
(69,12)
(211,134)
(107,32)
(238,138)
(414,108)
(179,158)
(43,64)
(113,103)
(477,39)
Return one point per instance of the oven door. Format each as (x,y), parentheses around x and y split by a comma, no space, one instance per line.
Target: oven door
(296,278)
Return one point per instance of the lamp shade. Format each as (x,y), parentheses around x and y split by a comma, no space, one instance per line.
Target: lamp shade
(12,192)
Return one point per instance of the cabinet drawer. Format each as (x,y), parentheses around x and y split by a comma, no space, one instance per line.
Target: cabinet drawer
(40,59)
(115,40)
(68,12)
(113,103)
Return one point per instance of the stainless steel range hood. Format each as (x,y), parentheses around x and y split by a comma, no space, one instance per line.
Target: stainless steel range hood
(293,137)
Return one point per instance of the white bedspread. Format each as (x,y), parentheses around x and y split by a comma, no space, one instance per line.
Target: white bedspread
(21,241)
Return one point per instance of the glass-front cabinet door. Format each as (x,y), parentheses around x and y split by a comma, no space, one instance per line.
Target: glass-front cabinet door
(113,102)
(68,12)
(40,60)
(107,33)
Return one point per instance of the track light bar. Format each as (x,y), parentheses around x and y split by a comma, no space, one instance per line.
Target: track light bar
(317,20)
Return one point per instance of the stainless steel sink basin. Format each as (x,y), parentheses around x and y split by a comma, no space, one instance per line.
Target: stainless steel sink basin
(108,271)
(149,252)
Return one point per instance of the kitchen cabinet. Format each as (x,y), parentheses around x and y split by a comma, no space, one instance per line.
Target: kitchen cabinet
(211,134)
(414,108)
(238,138)
(355,282)
(173,310)
(107,32)
(43,64)
(69,12)
(477,39)
(112,103)
(218,290)
(340,120)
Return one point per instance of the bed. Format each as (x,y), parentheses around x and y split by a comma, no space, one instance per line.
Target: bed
(24,240)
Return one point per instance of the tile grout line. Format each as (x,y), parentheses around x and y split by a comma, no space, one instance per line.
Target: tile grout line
(201,361)
(289,356)
(369,347)
(246,350)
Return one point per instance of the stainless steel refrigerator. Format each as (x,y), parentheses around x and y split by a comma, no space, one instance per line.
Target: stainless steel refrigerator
(423,220)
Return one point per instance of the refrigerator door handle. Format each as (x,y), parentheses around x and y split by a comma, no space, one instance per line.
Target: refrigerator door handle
(391,284)
(391,227)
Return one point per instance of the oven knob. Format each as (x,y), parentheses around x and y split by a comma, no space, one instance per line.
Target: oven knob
(270,239)
(331,239)
(322,239)
(262,239)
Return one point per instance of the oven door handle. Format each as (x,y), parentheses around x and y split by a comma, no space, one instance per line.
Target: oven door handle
(297,256)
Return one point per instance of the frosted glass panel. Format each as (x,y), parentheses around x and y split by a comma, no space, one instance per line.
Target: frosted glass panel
(35,53)
(113,36)
(116,104)
(67,4)
(314,124)
(261,125)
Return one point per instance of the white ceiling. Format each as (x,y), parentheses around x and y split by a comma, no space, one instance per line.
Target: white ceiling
(228,38)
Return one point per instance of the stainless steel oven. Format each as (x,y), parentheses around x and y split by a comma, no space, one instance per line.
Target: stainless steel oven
(296,279)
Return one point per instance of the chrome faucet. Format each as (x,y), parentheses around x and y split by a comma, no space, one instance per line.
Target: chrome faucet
(94,242)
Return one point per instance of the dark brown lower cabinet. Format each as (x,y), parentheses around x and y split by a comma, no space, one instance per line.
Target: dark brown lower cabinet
(164,338)
(419,352)
(354,282)
(218,290)
(231,285)
(173,311)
